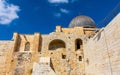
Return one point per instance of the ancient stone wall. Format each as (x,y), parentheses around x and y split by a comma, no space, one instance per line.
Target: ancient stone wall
(102,52)
(26,54)
(23,64)
(5,49)
(61,49)
(68,51)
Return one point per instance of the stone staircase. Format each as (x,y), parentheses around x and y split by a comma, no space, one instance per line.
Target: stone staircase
(43,67)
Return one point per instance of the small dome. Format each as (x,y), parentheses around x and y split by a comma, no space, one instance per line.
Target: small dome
(82,21)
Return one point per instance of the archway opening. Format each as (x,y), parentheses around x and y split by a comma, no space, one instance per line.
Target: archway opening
(56,44)
(27,46)
(78,44)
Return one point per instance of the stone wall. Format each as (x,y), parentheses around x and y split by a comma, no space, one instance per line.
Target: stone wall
(5,49)
(102,52)
(64,60)
(97,54)
(23,64)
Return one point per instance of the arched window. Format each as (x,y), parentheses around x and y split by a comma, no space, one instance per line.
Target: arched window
(80,58)
(78,44)
(27,46)
(55,44)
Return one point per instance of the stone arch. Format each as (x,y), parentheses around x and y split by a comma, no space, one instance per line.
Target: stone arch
(78,44)
(56,44)
(27,46)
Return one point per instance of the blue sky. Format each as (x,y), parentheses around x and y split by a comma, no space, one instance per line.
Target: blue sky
(29,16)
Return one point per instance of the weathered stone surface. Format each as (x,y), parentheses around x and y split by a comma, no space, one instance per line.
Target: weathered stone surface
(103,50)
(67,51)
(43,67)
(23,60)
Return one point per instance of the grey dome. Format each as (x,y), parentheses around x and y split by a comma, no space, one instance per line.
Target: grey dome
(82,21)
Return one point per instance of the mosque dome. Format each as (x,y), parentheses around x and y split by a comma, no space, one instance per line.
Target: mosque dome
(82,21)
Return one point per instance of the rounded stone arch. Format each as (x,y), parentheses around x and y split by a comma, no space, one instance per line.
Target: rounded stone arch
(56,44)
(78,44)
(27,46)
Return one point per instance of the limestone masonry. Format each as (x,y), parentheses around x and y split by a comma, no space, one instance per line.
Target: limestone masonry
(80,49)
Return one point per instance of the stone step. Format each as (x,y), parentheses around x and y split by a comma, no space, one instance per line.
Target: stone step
(43,67)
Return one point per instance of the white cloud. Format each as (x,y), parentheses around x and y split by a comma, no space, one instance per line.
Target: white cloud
(8,12)
(57,15)
(58,1)
(62,1)
(61,12)
(72,1)
(64,11)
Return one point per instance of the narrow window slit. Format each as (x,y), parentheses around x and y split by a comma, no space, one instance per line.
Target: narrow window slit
(63,56)
(80,58)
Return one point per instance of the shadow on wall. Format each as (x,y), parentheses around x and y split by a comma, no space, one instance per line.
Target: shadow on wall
(56,44)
